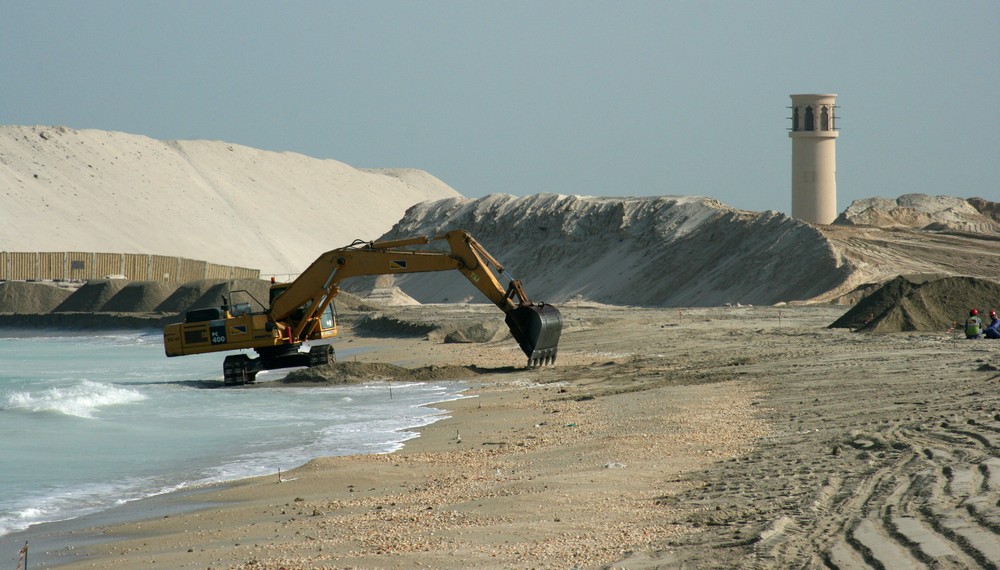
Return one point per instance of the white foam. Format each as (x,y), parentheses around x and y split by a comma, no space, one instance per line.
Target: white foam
(81,400)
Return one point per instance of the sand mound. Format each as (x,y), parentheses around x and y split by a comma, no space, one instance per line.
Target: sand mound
(92,296)
(348,372)
(139,297)
(380,324)
(253,291)
(185,296)
(389,297)
(120,296)
(667,251)
(480,331)
(920,303)
(30,298)
(210,293)
(220,202)
(923,211)
(989,209)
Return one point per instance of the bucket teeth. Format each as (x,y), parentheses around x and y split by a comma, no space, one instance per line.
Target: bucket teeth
(542,358)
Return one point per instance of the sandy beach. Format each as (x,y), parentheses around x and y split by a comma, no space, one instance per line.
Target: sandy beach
(674,438)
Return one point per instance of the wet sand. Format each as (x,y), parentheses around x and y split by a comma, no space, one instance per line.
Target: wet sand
(708,438)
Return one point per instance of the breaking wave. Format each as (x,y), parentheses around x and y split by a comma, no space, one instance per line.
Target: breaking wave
(81,400)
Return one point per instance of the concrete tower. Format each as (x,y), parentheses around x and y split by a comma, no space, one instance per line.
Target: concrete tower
(814,158)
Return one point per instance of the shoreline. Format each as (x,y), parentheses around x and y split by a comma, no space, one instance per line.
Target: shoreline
(65,534)
(479,450)
(709,438)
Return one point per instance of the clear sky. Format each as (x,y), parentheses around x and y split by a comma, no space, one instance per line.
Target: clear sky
(615,98)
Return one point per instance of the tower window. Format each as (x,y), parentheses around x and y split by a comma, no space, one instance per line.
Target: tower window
(809,120)
(824,119)
(795,119)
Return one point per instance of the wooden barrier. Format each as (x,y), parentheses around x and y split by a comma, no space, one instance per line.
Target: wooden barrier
(81,266)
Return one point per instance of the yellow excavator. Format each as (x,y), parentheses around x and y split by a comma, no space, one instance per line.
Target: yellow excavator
(302,311)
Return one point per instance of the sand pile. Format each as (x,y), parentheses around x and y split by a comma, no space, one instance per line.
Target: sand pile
(30,298)
(386,294)
(139,297)
(667,251)
(349,372)
(923,211)
(92,296)
(921,303)
(236,205)
(121,296)
(989,209)
(215,293)
(206,200)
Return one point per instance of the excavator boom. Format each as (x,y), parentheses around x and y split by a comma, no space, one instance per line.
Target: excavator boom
(536,328)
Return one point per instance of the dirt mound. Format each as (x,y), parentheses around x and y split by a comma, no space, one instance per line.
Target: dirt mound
(381,324)
(919,303)
(349,372)
(651,251)
(139,297)
(184,296)
(91,296)
(253,291)
(30,298)
(987,208)
(210,293)
(923,211)
(345,300)
(473,332)
(389,297)
(193,186)
(121,296)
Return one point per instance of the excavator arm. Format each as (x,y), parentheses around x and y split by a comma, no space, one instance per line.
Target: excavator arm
(536,328)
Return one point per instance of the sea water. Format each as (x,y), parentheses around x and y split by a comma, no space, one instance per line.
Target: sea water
(90,422)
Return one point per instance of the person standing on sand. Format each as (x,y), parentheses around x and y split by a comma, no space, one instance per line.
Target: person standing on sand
(973,325)
(993,331)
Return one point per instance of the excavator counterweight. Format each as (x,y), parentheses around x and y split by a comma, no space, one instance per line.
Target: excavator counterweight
(301,311)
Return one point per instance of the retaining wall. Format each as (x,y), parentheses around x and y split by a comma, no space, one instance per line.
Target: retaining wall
(81,266)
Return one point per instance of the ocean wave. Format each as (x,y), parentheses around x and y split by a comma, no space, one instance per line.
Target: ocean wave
(81,400)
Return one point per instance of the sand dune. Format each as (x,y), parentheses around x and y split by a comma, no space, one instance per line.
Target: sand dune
(91,190)
(683,251)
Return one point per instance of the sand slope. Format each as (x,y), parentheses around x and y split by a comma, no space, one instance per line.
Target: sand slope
(681,251)
(21,297)
(924,211)
(90,190)
(669,250)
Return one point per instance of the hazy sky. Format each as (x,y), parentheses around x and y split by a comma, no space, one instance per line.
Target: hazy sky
(617,98)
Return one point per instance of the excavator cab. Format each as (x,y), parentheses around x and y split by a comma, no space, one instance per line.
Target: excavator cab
(536,328)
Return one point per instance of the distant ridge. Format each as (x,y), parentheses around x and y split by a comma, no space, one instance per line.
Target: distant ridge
(661,251)
(63,189)
(680,251)
(68,190)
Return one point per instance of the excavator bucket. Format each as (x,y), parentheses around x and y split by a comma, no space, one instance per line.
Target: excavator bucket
(536,328)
